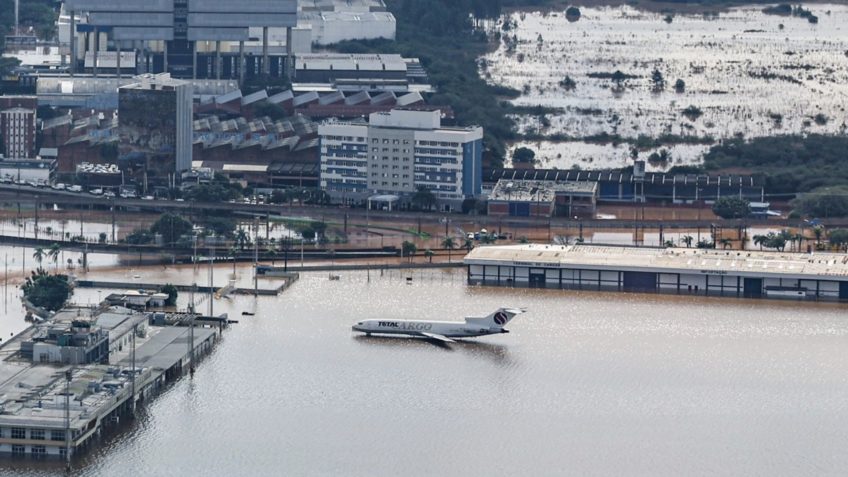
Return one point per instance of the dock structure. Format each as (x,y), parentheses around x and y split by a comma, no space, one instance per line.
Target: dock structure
(750,274)
(49,407)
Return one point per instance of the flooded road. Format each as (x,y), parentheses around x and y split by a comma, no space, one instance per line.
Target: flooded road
(586,383)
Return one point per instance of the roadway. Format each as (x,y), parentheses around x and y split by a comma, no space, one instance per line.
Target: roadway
(43,195)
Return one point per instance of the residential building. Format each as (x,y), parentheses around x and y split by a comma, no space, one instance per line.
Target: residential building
(396,153)
(18,132)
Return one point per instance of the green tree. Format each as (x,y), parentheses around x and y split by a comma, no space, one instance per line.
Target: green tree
(171,227)
(732,207)
(53,253)
(838,239)
(102,237)
(408,249)
(449,244)
(423,198)
(139,237)
(657,81)
(523,155)
(308,233)
(38,254)
(220,226)
(429,254)
(818,232)
(469,244)
(679,86)
(823,202)
(7,64)
(172,292)
(687,239)
(242,239)
(760,240)
(47,291)
(320,228)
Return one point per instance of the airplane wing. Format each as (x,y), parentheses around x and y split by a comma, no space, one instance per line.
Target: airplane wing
(434,336)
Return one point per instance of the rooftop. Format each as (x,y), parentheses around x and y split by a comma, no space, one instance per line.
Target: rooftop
(672,260)
(538,191)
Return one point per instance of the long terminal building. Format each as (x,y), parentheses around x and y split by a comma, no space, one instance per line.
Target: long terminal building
(740,273)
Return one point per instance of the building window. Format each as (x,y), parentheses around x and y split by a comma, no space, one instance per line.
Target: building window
(38,451)
(18,433)
(36,434)
(57,435)
(18,450)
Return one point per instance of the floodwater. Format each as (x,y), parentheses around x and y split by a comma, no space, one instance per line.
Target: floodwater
(586,383)
(749,73)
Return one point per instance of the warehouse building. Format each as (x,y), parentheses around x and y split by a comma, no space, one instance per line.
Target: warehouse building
(750,274)
(543,199)
(623,186)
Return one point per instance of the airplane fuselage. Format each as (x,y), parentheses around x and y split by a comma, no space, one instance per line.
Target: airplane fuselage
(450,329)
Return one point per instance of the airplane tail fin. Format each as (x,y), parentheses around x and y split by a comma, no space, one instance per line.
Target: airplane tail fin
(497,319)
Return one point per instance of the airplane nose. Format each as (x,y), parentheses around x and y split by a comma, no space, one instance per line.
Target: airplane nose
(504,331)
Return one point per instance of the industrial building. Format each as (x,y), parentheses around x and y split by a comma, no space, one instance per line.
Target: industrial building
(397,152)
(155,128)
(750,274)
(177,29)
(622,186)
(543,199)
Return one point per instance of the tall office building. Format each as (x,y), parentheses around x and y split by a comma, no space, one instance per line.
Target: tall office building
(154,125)
(18,132)
(181,24)
(397,152)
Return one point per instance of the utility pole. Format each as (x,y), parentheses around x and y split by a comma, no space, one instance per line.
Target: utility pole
(113,221)
(68,377)
(191,317)
(256,256)
(132,399)
(211,275)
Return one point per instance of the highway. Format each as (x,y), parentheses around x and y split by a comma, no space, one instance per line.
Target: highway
(13,193)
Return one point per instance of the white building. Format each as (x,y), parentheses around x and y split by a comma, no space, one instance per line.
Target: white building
(329,28)
(690,271)
(398,151)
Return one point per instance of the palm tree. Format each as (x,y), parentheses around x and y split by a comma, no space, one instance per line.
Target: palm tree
(523,239)
(449,244)
(687,239)
(469,244)
(818,232)
(39,255)
(669,243)
(53,252)
(429,254)
(760,240)
(241,238)
(408,248)
(233,252)
(800,239)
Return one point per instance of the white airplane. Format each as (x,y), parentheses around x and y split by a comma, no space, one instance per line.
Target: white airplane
(443,330)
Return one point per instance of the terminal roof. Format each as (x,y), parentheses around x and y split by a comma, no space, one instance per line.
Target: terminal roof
(671,260)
